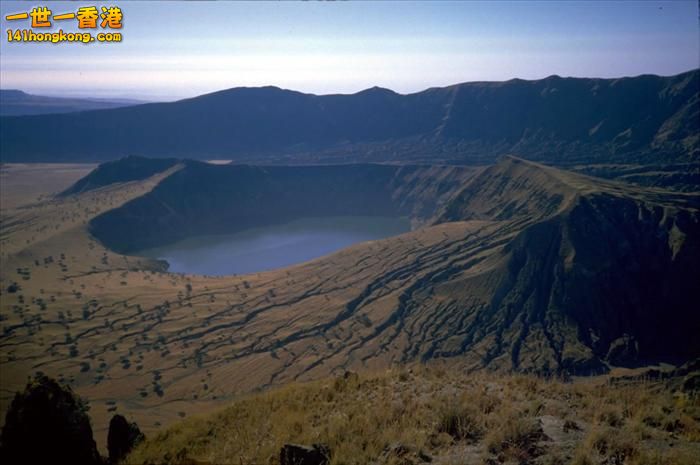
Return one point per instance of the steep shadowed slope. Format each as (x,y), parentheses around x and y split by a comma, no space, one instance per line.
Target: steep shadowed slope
(596,273)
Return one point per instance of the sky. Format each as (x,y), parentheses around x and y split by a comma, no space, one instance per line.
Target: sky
(173,50)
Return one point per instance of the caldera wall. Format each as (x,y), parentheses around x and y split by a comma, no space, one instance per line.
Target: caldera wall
(203,199)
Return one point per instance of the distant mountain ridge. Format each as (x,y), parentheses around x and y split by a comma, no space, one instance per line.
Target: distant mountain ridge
(555,120)
(15,102)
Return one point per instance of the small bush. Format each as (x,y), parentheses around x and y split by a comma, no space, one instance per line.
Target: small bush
(516,438)
(460,422)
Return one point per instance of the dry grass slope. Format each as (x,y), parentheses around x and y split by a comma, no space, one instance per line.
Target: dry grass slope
(441,415)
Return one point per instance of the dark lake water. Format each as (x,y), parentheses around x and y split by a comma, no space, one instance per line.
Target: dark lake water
(271,247)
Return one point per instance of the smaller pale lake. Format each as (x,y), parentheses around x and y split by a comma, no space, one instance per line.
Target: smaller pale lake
(272,247)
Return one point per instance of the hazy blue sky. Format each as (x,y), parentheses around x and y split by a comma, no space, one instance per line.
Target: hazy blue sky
(180,49)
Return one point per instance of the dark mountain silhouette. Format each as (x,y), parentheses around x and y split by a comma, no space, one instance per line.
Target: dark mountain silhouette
(16,103)
(557,120)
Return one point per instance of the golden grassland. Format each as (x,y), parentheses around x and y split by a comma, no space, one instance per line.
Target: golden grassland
(21,183)
(443,415)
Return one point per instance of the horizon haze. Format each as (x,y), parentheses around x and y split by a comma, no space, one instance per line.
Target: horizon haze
(181,50)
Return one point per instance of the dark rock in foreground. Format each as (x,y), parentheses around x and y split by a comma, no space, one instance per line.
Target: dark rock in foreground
(295,454)
(122,437)
(47,423)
